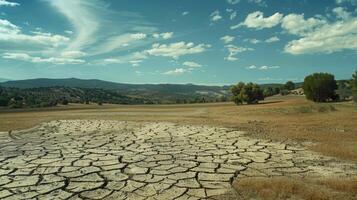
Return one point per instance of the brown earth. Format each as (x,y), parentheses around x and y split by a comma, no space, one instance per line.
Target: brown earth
(329,129)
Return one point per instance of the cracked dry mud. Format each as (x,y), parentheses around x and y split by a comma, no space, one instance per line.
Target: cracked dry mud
(96,159)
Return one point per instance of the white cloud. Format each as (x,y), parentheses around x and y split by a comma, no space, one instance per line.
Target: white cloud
(135,63)
(8,3)
(191,64)
(352,2)
(258,21)
(233,15)
(341,13)
(121,41)
(272,39)
(164,36)
(227,39)
(251,67)
(185,13)
(69,32)
(253,40)
(234,50)
(73,54)
(134,59)
(138,36)
(235,26)
(259,2)
(326,38)
(177,71)
(52,60)
(264,67)
(81,15)
(233,2)
(175,50)
(297,25)
(13,34)
(267,67)
(215,16)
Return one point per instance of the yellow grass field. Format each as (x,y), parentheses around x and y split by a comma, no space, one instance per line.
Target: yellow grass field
(329,129)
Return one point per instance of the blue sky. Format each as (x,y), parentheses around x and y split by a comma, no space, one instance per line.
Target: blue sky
(213,42)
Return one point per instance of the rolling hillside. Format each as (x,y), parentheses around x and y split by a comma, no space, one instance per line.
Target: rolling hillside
(169,92)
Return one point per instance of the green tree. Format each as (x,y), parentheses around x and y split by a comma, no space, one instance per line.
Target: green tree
(268,92)
(353,84)
(320,87)
(4,101)
(246,93)
(289,85)
(237,93)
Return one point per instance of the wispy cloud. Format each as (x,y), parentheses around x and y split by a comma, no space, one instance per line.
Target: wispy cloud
(227,39)
(175,50)
(176,72)
(234,50)
(52,60)
(81,15)
(191,64)
(8,3)
(216,16)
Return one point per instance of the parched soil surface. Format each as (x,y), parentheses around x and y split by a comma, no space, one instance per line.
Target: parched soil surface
(100,159)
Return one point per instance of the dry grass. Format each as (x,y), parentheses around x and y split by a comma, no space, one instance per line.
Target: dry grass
(331,127)
(295,188)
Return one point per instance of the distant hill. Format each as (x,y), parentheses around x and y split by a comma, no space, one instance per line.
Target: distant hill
(166,93)
(3,80)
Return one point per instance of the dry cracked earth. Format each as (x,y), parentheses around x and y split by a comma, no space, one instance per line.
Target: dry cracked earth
(95,159)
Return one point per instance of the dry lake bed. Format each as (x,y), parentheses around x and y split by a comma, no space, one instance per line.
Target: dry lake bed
(102,159)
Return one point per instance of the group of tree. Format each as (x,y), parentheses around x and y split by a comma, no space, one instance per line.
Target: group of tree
(318,87)
(53,96)
(249,93)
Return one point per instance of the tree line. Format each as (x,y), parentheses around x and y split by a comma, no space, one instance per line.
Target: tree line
(317,87)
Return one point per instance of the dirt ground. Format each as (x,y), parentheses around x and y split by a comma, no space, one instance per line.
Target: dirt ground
(328,129)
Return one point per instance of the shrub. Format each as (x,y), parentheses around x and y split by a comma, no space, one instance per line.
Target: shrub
(268,92)
(64,102)
(353,84)
(4,101)
(320,87)
(246,93)
(289,85)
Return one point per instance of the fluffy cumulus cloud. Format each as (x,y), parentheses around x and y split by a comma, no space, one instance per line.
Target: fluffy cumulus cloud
(352,2)
(272,39)
(11,33)
(177,71)
(215,16)
(257,20)
(35,59)
(227,39)
(233,50)
(8,3)
(165,36)
(324,37)
(175,50)
(191,64)
(298,25)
